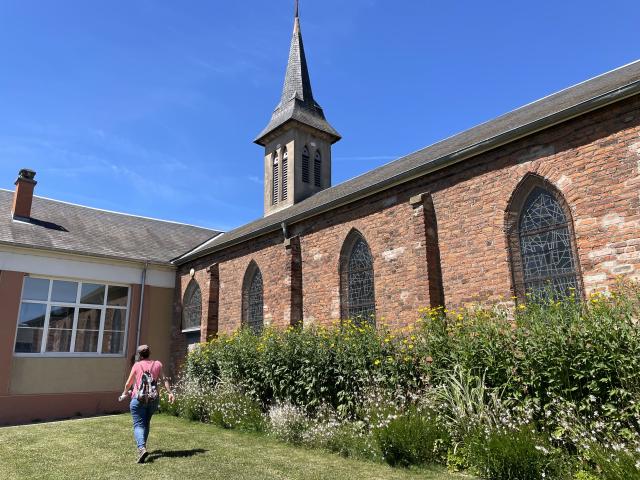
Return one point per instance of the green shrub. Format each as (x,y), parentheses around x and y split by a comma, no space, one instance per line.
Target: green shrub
(514,455)
(224,405)
(616,464)
(228,407)
(351,439)
(550,365)
(288,423)
(413,439)
(465,404)
(310,367)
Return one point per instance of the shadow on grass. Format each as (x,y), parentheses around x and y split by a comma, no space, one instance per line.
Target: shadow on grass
(156,454)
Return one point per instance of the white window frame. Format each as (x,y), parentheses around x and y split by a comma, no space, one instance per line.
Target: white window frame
(76,306)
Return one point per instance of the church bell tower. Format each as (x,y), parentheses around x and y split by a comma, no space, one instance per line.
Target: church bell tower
(298,139)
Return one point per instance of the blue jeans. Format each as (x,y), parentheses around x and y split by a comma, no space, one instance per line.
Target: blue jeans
(142,414)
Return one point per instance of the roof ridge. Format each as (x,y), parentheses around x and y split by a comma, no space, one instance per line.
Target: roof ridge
(121,213)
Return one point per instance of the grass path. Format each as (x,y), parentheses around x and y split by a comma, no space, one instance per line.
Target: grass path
(102,448)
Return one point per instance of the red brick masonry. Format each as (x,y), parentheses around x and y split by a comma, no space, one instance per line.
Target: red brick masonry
(592,160)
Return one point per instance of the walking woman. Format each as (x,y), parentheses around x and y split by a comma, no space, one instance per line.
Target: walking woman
(144,378)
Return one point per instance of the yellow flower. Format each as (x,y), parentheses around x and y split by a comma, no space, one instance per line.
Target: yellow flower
(377,362)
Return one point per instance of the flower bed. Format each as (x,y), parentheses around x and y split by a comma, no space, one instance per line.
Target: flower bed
(548,389)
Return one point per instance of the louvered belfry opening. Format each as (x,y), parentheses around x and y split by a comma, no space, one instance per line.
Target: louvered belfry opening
(275,187)
(317,169)
(285,174)
(306,168)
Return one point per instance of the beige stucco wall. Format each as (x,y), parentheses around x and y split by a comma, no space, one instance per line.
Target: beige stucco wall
(156,330)
(49,375)
(67,375)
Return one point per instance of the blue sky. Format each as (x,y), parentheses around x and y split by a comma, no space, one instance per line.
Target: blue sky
(150,106)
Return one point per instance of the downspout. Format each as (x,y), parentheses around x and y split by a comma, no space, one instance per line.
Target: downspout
(143,280)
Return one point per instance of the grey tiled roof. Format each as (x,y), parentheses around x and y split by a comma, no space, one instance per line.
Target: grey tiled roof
(579,99)
(65,227)
(297,102)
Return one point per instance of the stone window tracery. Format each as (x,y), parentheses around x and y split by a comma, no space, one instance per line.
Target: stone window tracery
(357,280)
(253,299)
(541,240)
(192,307)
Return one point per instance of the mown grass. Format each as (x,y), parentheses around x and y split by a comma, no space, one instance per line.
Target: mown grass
(103,448)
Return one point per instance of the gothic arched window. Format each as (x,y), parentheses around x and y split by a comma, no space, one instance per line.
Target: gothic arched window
(306,168)
(356,280)
(192,308)
(285,174)
(252,299)
(541,242)
(317,169)
(276,183)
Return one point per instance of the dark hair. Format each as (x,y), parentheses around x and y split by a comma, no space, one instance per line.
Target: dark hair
(144,354)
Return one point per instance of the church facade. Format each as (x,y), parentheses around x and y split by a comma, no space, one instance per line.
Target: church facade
(544,198)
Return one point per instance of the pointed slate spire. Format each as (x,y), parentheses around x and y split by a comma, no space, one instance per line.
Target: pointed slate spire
(297,102)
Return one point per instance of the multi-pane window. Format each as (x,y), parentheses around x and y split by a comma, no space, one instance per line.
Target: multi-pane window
(285,174)
(192,308)
(63,316)
(548,264)
(317,169)
(254,301)
(276,183)
(359,288)
(306,168)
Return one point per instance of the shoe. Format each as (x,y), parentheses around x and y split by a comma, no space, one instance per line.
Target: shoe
(142,455)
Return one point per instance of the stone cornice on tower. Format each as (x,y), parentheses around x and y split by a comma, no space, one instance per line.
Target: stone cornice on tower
(297,103)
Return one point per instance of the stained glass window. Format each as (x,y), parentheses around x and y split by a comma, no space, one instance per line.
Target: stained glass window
(255,302)
(192,307)
(548,262)
(360,293)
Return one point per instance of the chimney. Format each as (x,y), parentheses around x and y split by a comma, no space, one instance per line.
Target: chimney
(23,196)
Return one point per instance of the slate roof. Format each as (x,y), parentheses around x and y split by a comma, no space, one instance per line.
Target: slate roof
(551,110)
(65,227)
(297,102)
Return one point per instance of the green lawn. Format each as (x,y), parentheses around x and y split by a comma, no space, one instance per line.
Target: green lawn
(103,448)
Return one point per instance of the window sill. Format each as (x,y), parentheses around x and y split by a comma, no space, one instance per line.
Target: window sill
(191,330)
(68,355)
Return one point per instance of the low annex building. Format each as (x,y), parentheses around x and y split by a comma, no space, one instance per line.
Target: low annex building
(544,197)
(79,288)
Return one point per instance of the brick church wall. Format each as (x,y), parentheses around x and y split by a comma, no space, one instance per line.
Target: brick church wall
(593,160)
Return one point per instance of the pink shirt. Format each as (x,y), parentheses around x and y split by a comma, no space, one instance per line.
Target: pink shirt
(154,366)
